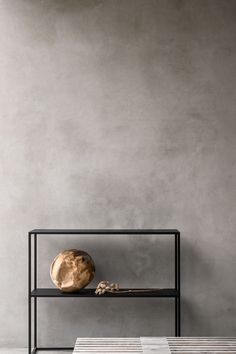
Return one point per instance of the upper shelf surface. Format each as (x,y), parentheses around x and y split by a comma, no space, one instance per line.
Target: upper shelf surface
(105,231)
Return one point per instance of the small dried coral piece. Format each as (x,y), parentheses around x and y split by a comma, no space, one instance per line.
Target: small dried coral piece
(104,286)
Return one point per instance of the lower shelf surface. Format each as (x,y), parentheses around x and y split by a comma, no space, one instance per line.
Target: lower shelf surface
(51,292)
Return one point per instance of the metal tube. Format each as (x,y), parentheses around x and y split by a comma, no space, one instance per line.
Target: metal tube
(176,317)
(29,293)
(35,287)
(176,262)
(178,287)
(35,261)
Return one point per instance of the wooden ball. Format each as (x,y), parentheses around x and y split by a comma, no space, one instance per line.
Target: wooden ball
(72,270)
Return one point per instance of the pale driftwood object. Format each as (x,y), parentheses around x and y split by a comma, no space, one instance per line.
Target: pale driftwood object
(72,270)
(105,287)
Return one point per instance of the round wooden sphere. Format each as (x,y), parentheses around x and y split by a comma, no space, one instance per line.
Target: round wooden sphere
(72,270)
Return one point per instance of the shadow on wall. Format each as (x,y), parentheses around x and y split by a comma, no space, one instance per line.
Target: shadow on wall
(195,266)
(133,261)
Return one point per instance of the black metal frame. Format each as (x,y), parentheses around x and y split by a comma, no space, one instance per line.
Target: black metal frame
(36,292)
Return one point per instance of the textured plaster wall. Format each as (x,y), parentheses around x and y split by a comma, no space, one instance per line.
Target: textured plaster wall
(119,114)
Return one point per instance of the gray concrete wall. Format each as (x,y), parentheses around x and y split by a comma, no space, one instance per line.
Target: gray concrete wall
(119,114)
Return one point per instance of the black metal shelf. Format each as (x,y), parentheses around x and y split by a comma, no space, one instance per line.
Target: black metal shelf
(50,292)
(37,293)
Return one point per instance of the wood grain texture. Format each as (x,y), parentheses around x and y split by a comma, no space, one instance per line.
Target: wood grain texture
(108,345)
(156,345)
(202,345)
(151,345)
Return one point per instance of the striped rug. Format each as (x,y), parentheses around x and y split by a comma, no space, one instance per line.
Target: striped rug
(108,345)
(156,345)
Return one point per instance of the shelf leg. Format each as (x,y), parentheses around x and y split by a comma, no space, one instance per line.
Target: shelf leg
(177,317)
(29,327)
(179,298)
(35,287)
(29,293)
(177,286)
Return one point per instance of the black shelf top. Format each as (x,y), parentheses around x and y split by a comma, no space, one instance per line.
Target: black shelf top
(104,231)
(51,292)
